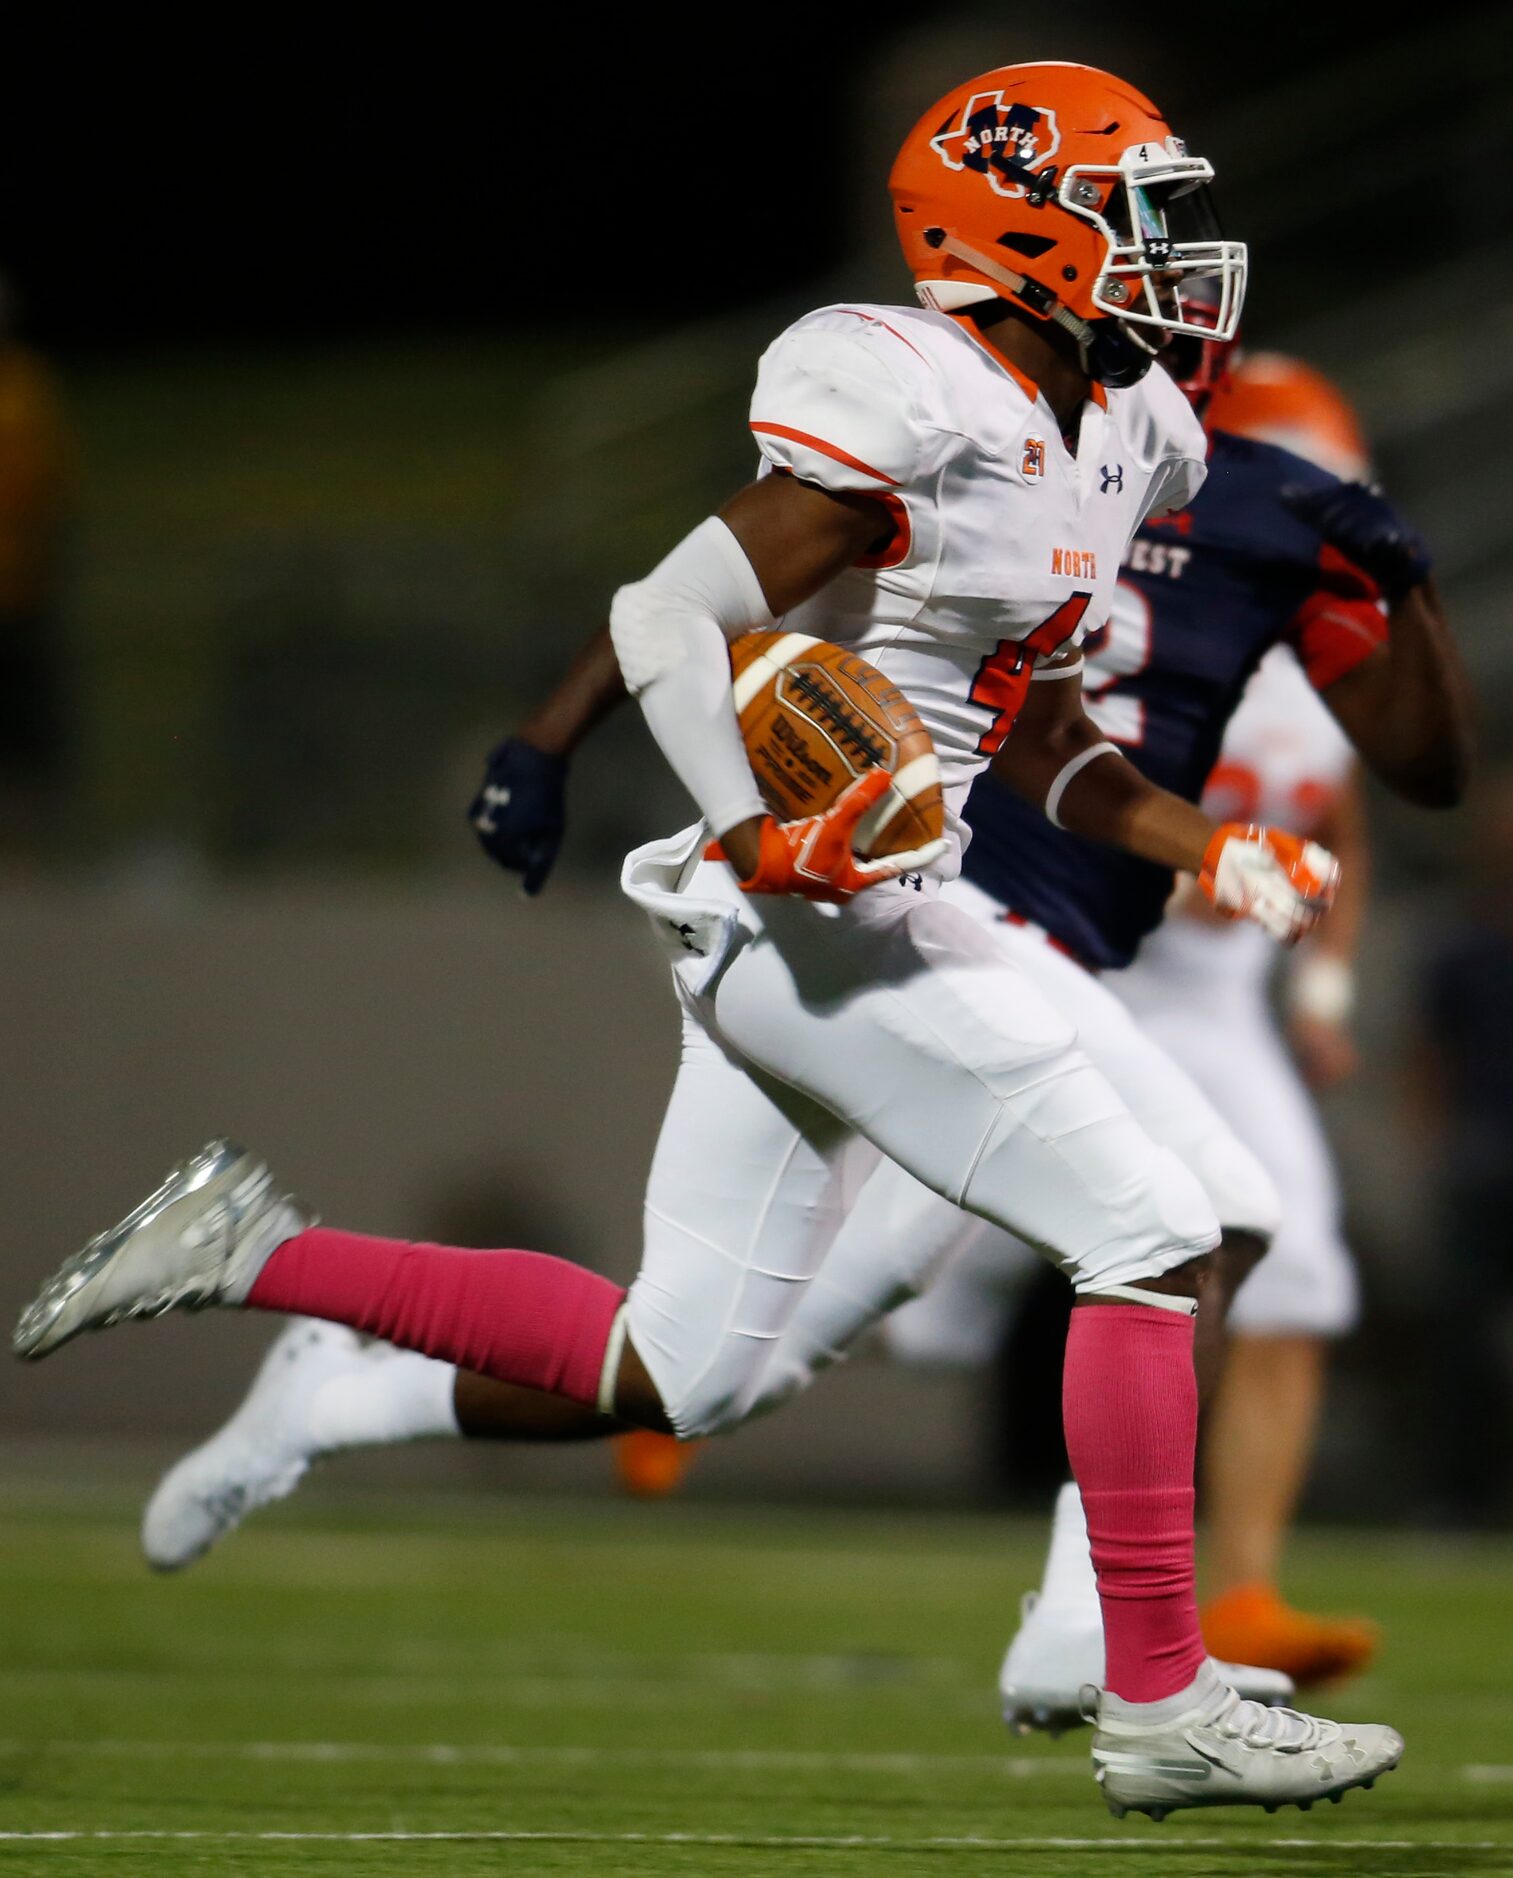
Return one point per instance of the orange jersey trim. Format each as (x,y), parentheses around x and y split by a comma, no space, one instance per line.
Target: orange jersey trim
(1025,383)
(825,449)
(896,548)
(873,320)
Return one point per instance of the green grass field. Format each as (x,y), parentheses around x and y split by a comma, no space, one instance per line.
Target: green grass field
(466,1685)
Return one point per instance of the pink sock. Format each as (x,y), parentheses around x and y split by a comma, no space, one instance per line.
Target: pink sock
(1129,1403)
(520,1317)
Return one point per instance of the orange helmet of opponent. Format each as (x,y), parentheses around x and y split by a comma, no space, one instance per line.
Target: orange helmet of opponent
(1063,191)
(1282,401)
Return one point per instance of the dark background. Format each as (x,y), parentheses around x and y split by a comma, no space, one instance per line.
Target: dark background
(435,178)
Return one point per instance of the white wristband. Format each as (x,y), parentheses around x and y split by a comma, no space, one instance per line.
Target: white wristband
(1065,775)
(1322,988)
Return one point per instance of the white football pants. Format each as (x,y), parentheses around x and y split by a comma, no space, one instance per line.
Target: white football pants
(1201,993)
(901,1240)
(822,1036)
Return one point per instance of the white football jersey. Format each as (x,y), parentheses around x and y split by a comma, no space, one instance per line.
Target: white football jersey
(1284,759)
(1006,544)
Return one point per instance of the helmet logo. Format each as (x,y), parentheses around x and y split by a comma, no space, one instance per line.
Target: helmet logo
(1000,141)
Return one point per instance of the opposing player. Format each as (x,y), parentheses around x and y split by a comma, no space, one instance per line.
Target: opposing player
(950,494)
(1204,998)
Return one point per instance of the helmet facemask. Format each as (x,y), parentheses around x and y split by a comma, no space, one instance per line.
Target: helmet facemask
(1154,210)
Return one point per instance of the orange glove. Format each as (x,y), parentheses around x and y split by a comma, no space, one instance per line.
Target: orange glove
(1285,884)
(814,859)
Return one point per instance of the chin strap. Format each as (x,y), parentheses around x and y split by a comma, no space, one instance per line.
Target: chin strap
(1040,300)
(1098,358)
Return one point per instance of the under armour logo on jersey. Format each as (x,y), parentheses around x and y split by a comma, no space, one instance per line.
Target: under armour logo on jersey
(686,935)
(1113,478)
(999,141)
(494,797)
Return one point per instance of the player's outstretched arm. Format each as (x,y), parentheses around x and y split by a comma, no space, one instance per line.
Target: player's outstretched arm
(589,690)
(1407,706)
(1057,758)
(520,812)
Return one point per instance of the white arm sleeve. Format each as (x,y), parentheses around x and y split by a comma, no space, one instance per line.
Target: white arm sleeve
(670,634)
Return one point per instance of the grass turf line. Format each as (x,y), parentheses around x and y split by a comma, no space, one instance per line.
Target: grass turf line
(654,1689)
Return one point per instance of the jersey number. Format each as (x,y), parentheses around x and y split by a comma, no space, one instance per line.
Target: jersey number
(1004,675)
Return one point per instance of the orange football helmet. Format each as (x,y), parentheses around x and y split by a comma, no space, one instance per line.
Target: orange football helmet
(1062,190)
(1281,400)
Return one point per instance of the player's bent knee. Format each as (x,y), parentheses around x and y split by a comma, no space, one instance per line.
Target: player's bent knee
(718,1403)
(695,1394)
(1166,1223)
(704,1412)
(628,1391)
(780,1382)
(1242,1193)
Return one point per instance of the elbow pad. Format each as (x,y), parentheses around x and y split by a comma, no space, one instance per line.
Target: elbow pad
(707,577)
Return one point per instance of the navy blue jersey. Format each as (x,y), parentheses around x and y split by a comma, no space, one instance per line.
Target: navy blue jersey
(1203,595)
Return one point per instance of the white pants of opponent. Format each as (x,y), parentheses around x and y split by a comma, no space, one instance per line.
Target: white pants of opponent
(1200,992)
(826,1045)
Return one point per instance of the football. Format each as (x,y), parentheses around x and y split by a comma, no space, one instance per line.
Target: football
(814,717)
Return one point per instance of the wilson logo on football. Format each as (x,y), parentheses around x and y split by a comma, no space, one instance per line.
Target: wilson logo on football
(999,141)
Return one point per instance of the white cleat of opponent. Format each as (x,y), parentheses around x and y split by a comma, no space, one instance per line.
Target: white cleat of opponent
(1057,1653)
(1208,1747)
(201,1239)
(257,1457)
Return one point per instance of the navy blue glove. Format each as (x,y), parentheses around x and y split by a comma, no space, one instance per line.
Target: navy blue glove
(1358,519)
(520,812)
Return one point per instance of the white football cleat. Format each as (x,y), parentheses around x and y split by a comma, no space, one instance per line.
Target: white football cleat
(201,1239)
(1223,1751)
(260,1455)
(1057,1654)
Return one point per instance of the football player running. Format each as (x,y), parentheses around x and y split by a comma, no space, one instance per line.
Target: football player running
(1273,553)
(1261,570)
(950,490)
